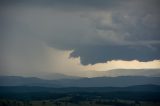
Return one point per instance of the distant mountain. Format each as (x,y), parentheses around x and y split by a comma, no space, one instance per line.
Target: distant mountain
(137,88)
(91,74)
(47,76)
(127,72)
(134,72)
(112,73)
(24,81)
(56,76)
(121,81)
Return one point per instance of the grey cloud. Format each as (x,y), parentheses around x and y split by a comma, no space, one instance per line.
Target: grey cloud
(89,54)
(96,30)
(79,3)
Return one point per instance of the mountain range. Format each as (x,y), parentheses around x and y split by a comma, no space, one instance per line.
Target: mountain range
(126,72)
(120,81)
(25,89)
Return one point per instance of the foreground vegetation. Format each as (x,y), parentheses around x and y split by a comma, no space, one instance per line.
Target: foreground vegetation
(38,96)
(68,101)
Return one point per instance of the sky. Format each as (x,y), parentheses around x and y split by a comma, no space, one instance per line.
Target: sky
(76,36)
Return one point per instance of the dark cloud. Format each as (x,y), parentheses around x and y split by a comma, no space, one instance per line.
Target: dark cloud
(87,3)
(88,55)
(96,30)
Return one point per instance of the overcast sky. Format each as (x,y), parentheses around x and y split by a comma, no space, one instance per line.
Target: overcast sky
(76,36)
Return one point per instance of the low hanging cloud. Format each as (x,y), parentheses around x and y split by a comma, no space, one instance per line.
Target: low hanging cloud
(96,31)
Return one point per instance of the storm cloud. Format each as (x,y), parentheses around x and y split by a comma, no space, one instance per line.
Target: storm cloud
(95,30)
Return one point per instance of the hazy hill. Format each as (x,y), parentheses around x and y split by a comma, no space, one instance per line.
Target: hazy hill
(134,72)
(56,76)
(90,74)
(126,72)
(136,88)
(121,81)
